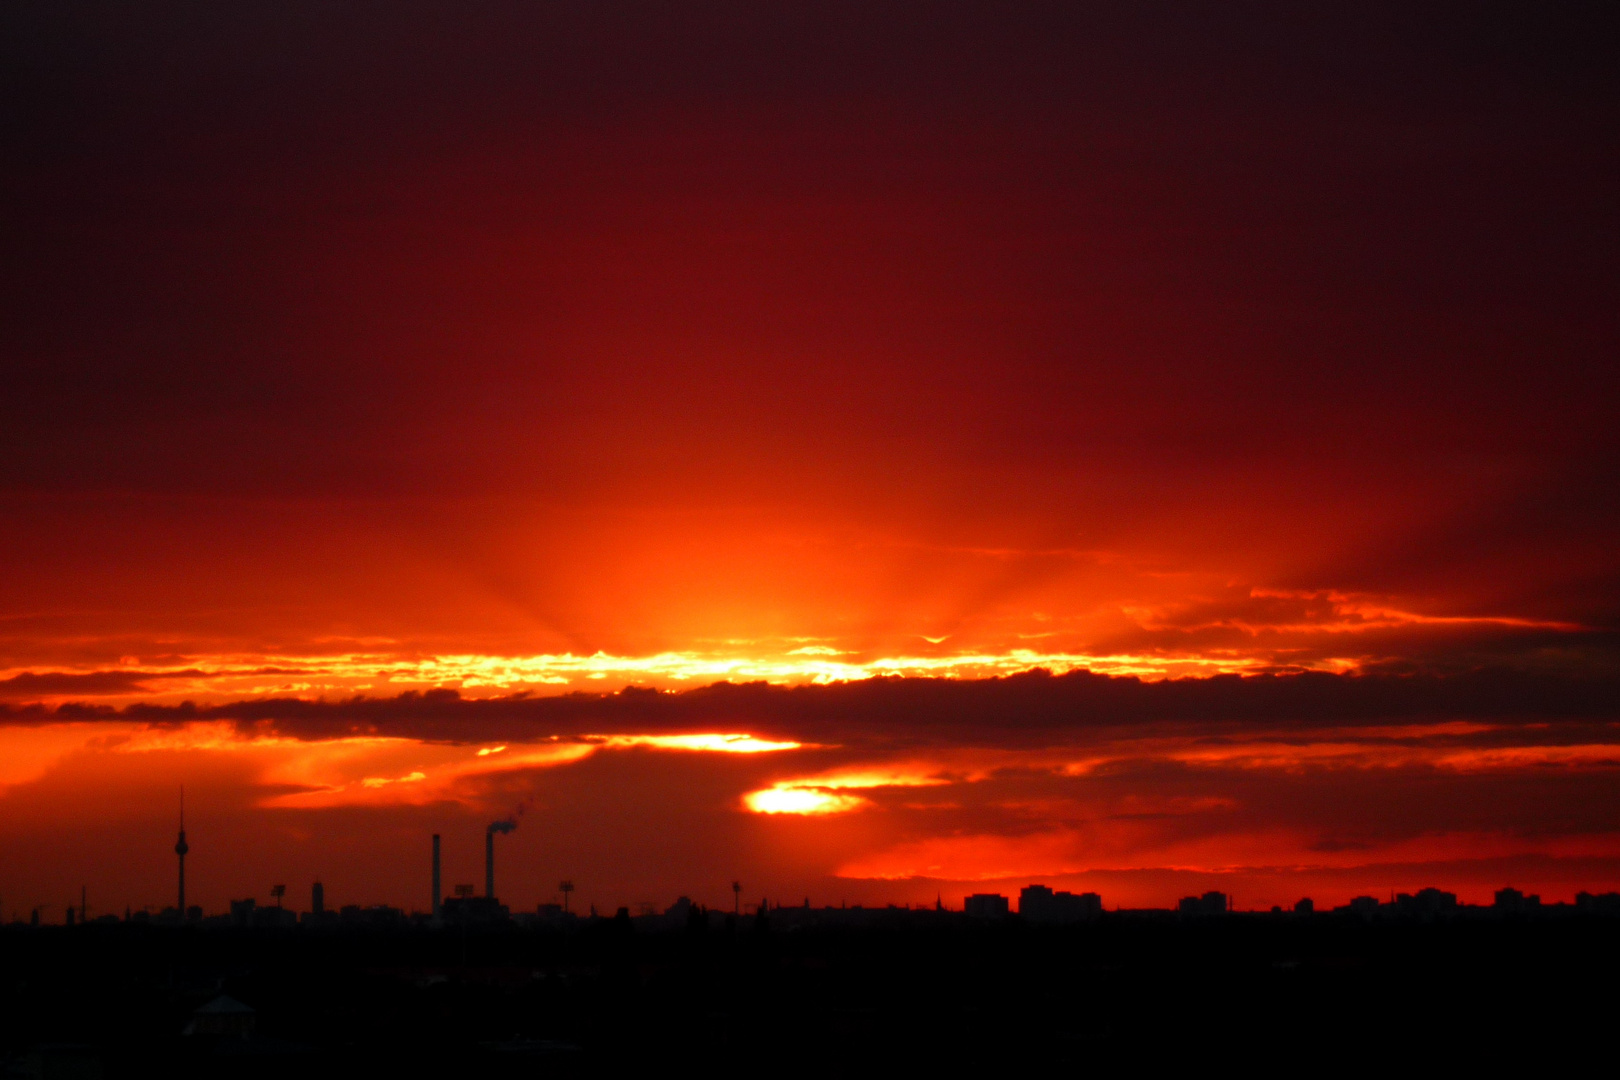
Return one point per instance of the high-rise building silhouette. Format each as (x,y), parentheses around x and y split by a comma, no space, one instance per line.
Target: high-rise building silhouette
(1211,903)
(317,899)
(438,892)
(986,906)
(1038,903)
(180,849)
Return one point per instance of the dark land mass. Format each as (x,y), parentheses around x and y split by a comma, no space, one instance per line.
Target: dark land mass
(918,991)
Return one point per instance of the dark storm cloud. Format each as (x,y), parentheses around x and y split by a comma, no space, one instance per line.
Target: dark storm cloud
(1312,629)
(29,685)
(92,684)
(1030,710)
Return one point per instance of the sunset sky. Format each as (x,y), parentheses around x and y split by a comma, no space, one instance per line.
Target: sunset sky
(868,451)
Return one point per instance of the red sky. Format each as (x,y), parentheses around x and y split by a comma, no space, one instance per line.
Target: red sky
(353,351)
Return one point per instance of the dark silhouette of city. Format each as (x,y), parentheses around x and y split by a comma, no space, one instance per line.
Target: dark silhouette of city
(1051,979)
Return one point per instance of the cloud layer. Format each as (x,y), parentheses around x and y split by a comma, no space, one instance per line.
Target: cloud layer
(1027,710)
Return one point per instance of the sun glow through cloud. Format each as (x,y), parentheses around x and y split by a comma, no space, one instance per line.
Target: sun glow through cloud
(796,800)
(312,773)
(725,744)
(829,794)
(380,781)
(220,677)
(1213,630)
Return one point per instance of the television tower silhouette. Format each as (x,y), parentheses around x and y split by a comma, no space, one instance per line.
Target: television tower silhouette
(180,849)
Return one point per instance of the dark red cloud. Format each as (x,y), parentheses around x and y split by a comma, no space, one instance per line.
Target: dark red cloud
(1028,710)
(96,683)
(30,686)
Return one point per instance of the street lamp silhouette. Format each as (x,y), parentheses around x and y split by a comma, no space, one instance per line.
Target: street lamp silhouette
(566,887)
(736,897)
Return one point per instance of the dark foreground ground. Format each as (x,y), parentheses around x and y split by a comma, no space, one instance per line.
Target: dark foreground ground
(1261,994)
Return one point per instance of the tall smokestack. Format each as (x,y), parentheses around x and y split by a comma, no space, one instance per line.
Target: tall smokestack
(489,852)
(437,892)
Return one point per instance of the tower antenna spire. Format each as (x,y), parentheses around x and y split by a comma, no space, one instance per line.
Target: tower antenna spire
(180,849)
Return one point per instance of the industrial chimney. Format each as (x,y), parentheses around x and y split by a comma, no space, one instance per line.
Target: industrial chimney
(489,852)
(438,893)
